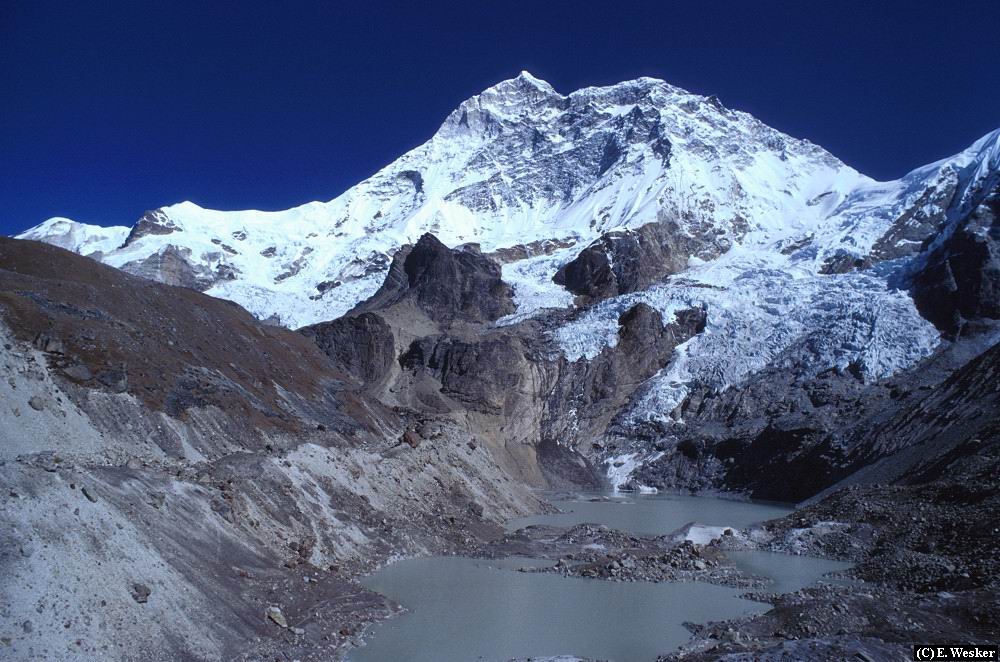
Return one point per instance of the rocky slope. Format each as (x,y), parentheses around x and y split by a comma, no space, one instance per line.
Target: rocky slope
(175,471)
(925,568)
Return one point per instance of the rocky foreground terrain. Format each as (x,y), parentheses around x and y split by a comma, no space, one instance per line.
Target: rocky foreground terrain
(629,287)
(173,470)
(925,556)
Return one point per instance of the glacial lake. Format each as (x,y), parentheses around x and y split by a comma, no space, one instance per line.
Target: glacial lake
(652,514)
(464,610)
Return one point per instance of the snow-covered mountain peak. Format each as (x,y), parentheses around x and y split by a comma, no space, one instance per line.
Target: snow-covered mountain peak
(528,104)
(972,165)
(638,91)
(524,85)
(522,165)
(90,240)
(509,100)
(978,167)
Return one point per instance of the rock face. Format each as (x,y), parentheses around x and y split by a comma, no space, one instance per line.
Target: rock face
(486,375)
(590,394)
(959,282)
(626,261)
(361,345)
(446,284)
(512,380)
(152,222)
(172,266)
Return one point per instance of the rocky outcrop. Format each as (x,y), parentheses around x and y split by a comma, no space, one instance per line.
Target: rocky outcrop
(174,266)
(447,285)
(959,279)
(919,220)
(625,261)
(589,394)
(152,222)
(486,375)
(361,345)
(510,385)
(518,252)
(560,406)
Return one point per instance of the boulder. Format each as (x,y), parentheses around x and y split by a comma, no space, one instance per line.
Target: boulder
(275,615)
(78,373)
(410,438)
(48,343)
(115,380)
(141,593)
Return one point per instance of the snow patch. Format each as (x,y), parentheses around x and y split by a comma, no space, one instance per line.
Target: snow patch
(700,534)
(534,290)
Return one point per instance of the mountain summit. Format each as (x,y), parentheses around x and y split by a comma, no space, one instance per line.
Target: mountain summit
(516,165)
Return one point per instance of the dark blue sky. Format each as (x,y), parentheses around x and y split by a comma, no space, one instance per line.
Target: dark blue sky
(111,108)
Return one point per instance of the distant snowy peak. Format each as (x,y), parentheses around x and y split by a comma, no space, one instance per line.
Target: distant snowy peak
(521,169)
(508,98)
(90,240)
(888,220)
(978,172)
